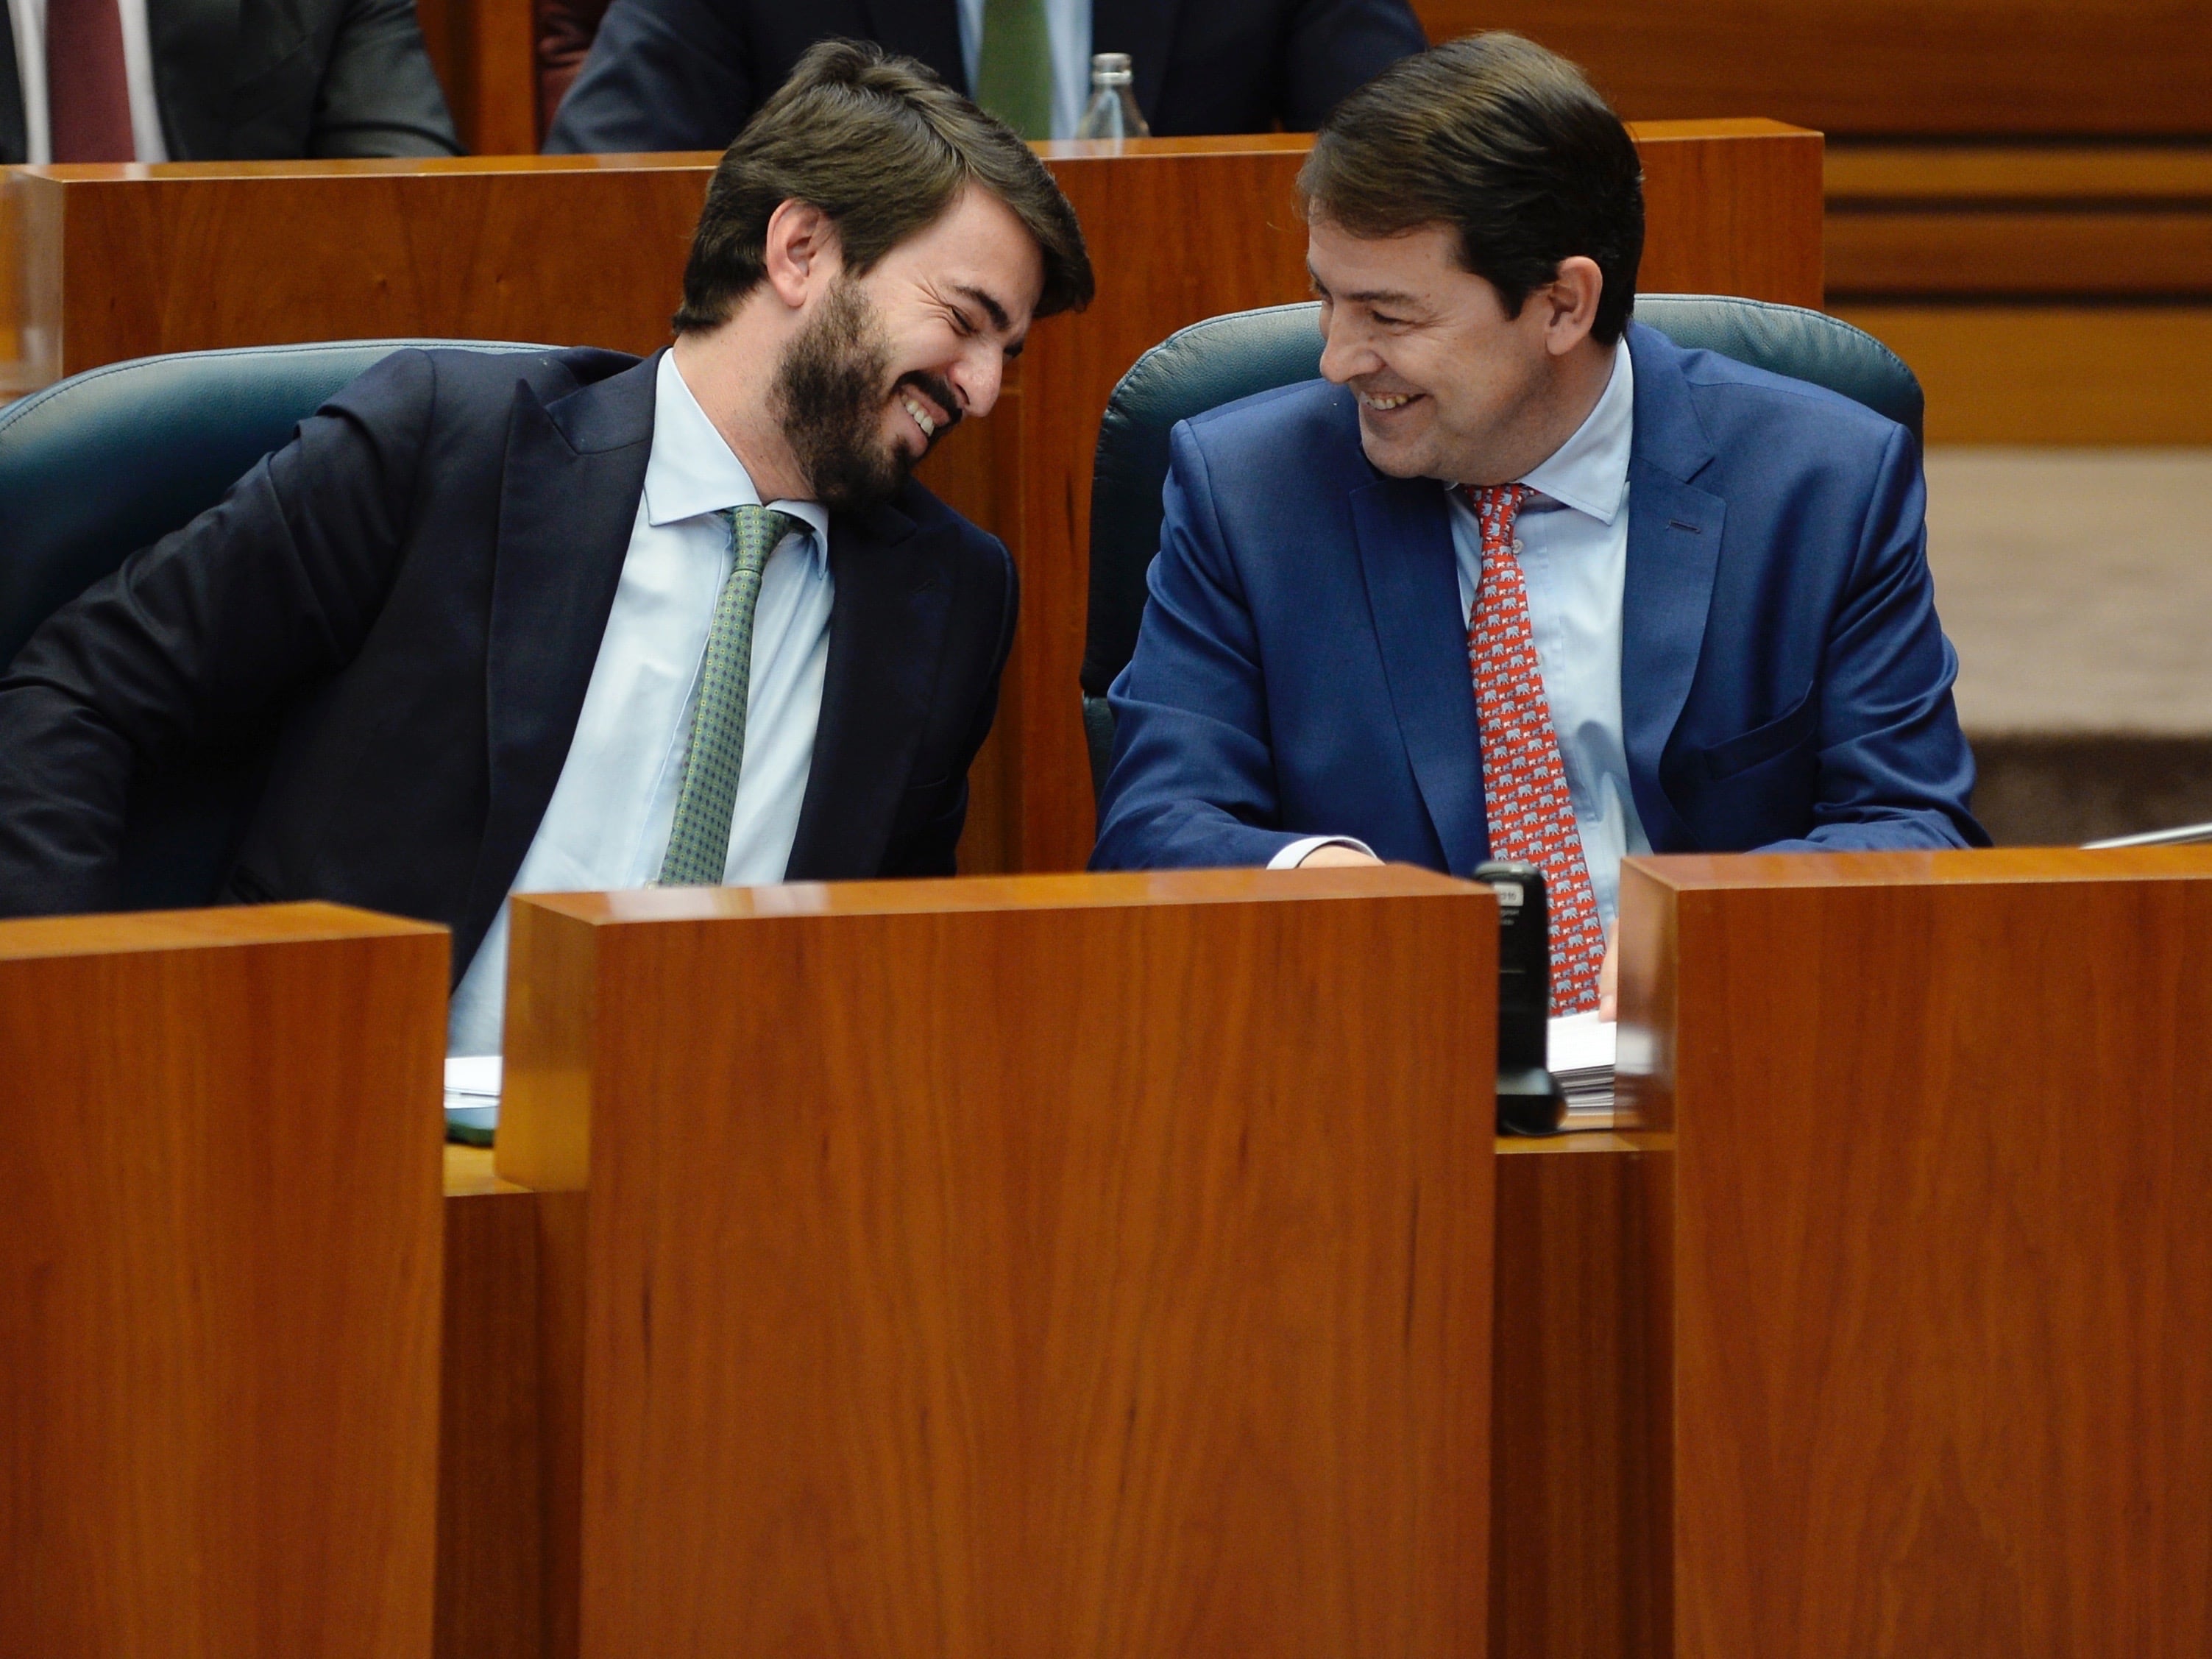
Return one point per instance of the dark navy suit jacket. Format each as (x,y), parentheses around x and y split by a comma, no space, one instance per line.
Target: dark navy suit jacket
(409,597)
(1302,669)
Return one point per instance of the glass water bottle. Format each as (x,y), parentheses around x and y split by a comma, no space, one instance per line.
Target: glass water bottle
(1112,112)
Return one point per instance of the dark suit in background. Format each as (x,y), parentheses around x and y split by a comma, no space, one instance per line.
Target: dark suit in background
(687,74)
(412,594)
(253,80)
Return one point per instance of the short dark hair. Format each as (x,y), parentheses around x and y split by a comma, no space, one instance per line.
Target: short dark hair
(883,147)
(1506,143)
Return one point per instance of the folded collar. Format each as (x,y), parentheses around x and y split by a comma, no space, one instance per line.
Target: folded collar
(692,470)
(1589,472)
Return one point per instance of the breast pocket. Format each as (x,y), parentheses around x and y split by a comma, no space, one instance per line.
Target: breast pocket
(1779,737)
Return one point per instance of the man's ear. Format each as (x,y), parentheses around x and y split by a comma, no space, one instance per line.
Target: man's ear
(802,253)
(1571,304)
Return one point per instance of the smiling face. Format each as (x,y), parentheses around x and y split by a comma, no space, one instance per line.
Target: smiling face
(1449,386)
(887,364)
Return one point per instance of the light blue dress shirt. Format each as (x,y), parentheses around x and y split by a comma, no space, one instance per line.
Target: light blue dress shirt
(1067,26)
(608,822)
(1573,531)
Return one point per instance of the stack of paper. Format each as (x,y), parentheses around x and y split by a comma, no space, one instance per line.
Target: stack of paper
(1580,1050)
(472,1091)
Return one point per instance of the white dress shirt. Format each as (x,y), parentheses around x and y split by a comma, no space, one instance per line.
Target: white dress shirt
(27,18)
(1573,530)
(1067,26)
(608,822)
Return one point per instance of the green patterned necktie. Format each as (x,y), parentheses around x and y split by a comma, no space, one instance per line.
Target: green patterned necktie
(699,842)
(1013,66)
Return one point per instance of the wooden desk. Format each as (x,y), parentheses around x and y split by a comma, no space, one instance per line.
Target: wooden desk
(1038,1229)
(219,1272)
(1572,1565)
(116,262)
(1931,1320)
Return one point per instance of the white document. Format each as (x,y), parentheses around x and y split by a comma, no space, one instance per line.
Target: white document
(472,1080)
(1579,1051)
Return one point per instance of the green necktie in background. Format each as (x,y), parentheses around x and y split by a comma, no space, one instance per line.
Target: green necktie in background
(1013,69)
(699,842)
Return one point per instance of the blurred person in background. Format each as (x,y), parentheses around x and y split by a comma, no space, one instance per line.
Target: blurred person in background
(205,80)
(687,74)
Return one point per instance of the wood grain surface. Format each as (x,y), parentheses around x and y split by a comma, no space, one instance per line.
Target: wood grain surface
(1576,1560)
(2053,374)
(2044,294)
(1941,1312)
(1022,1267)
(117,262)
(1924,68)
(219,1284)
(491,1521)
(485,53)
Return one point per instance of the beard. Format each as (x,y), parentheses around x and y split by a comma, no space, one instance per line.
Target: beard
(829,393)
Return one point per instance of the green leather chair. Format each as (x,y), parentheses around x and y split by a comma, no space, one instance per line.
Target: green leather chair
(103,462)
(1224,358)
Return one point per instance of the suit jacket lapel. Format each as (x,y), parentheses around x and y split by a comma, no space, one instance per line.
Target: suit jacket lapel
(1412,589)
(195,51)
(927,29)
(1145,30)
(1673,552)
(568,503)
(887,629)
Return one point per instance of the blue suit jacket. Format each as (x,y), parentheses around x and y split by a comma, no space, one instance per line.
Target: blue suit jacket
(1302,668)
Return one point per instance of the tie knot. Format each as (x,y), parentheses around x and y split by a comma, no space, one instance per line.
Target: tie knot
(755,531)
(1496,506)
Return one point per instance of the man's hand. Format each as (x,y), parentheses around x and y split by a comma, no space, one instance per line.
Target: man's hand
(1609,977)
(1323,858)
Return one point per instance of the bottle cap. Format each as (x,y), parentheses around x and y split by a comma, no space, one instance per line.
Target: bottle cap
(1109,69)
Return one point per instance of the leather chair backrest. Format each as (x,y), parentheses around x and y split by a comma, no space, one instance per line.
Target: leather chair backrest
(1224,358)
(105,462)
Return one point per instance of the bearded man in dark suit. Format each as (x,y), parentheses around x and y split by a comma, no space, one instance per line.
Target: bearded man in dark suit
(577,621)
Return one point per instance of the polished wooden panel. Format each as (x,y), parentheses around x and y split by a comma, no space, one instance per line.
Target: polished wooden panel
(1951,173)
(1940,1322)
(485,53)
(121,262)
(491,1575)
(2013,222)
(1731,207)
(1985,67)
(1574,1561)
(1025,1266)
(2031,252)
(2046,294)
(569,250)
(218,1273)
(2083,373)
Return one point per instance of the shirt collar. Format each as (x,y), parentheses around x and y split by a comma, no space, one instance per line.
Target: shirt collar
(1589,472)
(692,472)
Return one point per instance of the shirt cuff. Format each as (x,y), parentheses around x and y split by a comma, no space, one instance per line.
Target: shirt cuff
(1291,856)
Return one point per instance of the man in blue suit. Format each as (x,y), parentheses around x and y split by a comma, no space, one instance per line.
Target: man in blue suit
(1521,578)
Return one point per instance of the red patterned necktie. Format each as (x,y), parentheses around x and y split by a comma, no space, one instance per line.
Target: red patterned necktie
(87,94)
(1524,783)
